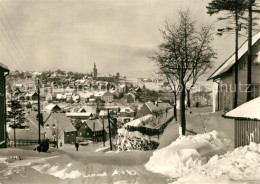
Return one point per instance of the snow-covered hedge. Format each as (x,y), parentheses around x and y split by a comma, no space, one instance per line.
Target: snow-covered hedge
(187,153)
(127,140)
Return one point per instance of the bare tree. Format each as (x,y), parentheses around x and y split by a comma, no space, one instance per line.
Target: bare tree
(183,56)
(56,133)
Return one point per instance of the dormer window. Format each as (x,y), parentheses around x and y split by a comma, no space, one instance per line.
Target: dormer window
(47,126)
(53,126)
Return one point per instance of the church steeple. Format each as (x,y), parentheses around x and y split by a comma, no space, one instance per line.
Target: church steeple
(94,71)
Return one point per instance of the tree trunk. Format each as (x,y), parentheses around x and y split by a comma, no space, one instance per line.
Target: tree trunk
(236,63)
(188,98)
(175,106)
(14,138)
(249,63)
(182,118)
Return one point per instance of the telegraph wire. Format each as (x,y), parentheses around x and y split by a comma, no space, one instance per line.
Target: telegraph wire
(12,58)
(10,44)
(15,49)
(15,35)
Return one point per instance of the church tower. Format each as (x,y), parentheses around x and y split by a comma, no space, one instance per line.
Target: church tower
(94,72)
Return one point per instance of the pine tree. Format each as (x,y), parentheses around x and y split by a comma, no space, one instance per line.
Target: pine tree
(235,10)
(16,117)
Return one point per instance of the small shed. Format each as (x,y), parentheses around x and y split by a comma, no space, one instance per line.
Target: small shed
(247,122)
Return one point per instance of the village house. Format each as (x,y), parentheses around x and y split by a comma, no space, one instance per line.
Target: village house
(107,97)
(127,112)
(31,96)
(129,98)
(92,129)
(151,107)
(122,88)
(224,77)
(51,121)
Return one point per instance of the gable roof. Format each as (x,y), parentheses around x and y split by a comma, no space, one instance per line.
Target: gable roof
(50,107)
(231,60)
(64,122)
(97,125)
(160,106)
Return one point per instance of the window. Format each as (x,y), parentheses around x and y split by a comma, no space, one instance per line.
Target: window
(53,125)
(87,133)
(80,133)
(47,126)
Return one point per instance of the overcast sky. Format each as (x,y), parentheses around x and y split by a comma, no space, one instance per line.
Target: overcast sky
(118,35)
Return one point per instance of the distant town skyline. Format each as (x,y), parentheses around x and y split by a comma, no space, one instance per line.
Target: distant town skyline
(71,35)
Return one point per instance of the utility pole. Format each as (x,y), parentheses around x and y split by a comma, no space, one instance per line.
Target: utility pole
(39,113)
(109,127)
(236,61)
(249,58)
(103,131)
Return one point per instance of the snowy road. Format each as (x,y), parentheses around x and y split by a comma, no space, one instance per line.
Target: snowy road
(67,166)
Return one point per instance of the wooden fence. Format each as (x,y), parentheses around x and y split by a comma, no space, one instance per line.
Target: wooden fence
(246,131)
(22,142)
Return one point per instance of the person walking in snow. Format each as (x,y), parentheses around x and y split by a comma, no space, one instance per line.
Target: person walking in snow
(77,146)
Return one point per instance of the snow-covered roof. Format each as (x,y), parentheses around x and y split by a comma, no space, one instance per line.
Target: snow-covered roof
(138,122)
(231,60)
(249,110)
(78,114)
(126,109)
(50,107)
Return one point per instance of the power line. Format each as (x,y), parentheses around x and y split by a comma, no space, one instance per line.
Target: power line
(15,35)
(9,53)
(14,47)
(10,44)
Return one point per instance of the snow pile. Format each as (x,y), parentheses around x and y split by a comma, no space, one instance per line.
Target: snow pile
(55,170)
(239,165)
(187,153)
(96,175)
(135,140)
(124,172)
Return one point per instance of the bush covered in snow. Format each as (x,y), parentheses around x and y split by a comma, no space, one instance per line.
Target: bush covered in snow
(127,140)
(187,153)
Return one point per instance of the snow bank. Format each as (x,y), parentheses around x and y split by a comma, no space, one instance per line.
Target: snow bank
(135,140)
(242,164)
(187,153)
(55,170)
